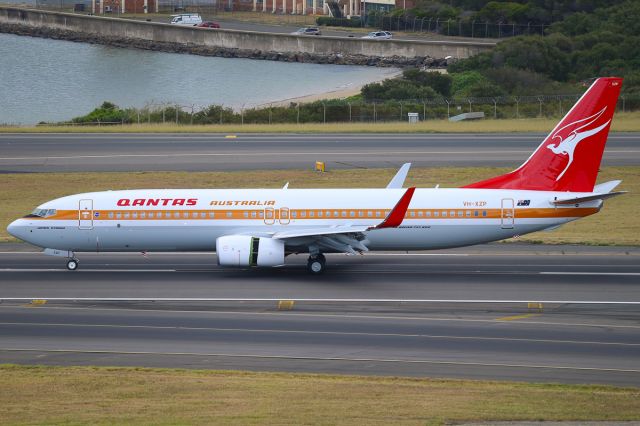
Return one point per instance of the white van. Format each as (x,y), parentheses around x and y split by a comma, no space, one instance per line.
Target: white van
(190,19)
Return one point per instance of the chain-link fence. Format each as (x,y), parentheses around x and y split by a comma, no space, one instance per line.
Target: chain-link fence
(337,111)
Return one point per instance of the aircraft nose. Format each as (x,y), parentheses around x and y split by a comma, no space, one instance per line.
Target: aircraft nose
(14,228)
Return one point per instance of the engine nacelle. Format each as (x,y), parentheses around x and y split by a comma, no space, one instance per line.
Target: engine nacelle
(244,250)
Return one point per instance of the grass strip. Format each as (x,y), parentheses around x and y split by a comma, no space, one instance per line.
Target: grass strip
(105,395)
(623,122)
(616,224)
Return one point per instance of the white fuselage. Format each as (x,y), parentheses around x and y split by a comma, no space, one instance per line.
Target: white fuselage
(192,220)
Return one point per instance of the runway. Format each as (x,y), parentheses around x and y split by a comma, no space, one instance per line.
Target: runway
(216,152)
(569,343)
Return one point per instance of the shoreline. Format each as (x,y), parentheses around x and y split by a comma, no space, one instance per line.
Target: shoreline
(336,93)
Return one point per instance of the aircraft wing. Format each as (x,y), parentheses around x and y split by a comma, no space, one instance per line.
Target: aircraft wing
(398,179)
(349,238)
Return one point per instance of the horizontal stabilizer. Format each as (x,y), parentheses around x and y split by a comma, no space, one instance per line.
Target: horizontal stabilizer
(594,197)
(607,186)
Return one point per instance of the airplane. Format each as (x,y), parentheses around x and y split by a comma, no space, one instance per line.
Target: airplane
(260,227)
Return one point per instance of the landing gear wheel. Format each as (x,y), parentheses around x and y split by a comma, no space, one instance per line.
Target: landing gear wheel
(321,258)
(72,264)
(315,265)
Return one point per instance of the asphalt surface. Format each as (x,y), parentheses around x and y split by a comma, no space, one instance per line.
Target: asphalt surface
(211,152)
(566,342)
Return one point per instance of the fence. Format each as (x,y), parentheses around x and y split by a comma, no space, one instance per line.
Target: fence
(334,111)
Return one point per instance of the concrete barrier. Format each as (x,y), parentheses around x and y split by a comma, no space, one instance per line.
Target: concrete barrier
(233,39)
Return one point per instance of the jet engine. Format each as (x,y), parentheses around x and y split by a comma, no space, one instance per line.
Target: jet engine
(244,250)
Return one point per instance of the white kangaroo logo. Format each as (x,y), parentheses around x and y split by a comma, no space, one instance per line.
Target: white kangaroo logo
(568,145)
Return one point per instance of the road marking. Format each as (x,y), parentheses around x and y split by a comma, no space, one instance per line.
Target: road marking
(632,274)
(517,317)
(316,358)
(316,300)
(305,315)
(315,332)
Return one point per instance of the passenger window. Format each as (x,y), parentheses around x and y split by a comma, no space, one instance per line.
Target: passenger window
(436,214)
(194,215)
(185,215)
(369,213)
(475,213)
(444,214)
(110,215)
(452,213)
(468,213)
(143,215)
(293,215)
(428,213)
(176,215)
(319,213)
(229,214)
(352,213)
(253,214)
(118,215)
(360,213)
(484,213)
(460,213)
(246,214)
(378,214)
(413,214)
(261,214)
(335,214)
(269,214)
(134,215)
(344,213)
(311,213)
(420,214)
(303,214)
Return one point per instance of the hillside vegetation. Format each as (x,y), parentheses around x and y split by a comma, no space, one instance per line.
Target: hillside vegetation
(584,40)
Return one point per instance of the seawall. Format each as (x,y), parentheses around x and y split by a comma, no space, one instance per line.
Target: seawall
(231,43)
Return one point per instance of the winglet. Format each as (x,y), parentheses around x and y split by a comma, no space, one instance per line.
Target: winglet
(398,179)
(396,216)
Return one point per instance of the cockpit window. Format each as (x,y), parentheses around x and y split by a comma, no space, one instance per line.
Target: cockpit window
(44,212)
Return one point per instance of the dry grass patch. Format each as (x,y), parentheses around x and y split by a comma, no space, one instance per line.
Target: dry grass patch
(81,395)
(616,224)
(627,122)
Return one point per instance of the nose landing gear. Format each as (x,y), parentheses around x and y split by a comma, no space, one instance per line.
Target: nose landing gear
(72,264)
(316,264)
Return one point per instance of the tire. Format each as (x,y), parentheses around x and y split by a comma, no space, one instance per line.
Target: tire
(72,264)
(315,266)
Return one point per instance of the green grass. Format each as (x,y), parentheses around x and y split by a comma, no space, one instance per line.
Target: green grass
(616,224)
(92,395)
(627,122)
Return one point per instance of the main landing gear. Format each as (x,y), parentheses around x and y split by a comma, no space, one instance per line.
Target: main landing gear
(316,264)
(72,264)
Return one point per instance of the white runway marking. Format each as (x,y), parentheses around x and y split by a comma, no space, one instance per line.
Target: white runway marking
(309,358)
(631,274)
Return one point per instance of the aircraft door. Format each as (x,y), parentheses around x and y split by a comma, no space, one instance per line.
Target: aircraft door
(284,216)
(507,213)
(85,214)
(269,216)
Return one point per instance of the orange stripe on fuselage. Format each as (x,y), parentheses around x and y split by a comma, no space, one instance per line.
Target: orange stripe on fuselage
(321,214)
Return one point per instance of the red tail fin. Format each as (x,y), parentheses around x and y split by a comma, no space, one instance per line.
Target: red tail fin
(569,157)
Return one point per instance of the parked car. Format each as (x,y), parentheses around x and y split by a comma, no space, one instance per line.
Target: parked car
(186,19)
(379,35)
(208,24)
(307,31)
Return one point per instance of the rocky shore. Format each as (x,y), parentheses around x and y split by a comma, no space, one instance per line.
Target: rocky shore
(334,58)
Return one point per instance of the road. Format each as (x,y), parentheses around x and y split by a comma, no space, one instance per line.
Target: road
(569,343)
(215,152)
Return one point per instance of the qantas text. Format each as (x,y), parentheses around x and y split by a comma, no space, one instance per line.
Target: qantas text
(125,202)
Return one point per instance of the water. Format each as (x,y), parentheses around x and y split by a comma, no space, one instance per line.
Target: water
(53,80)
